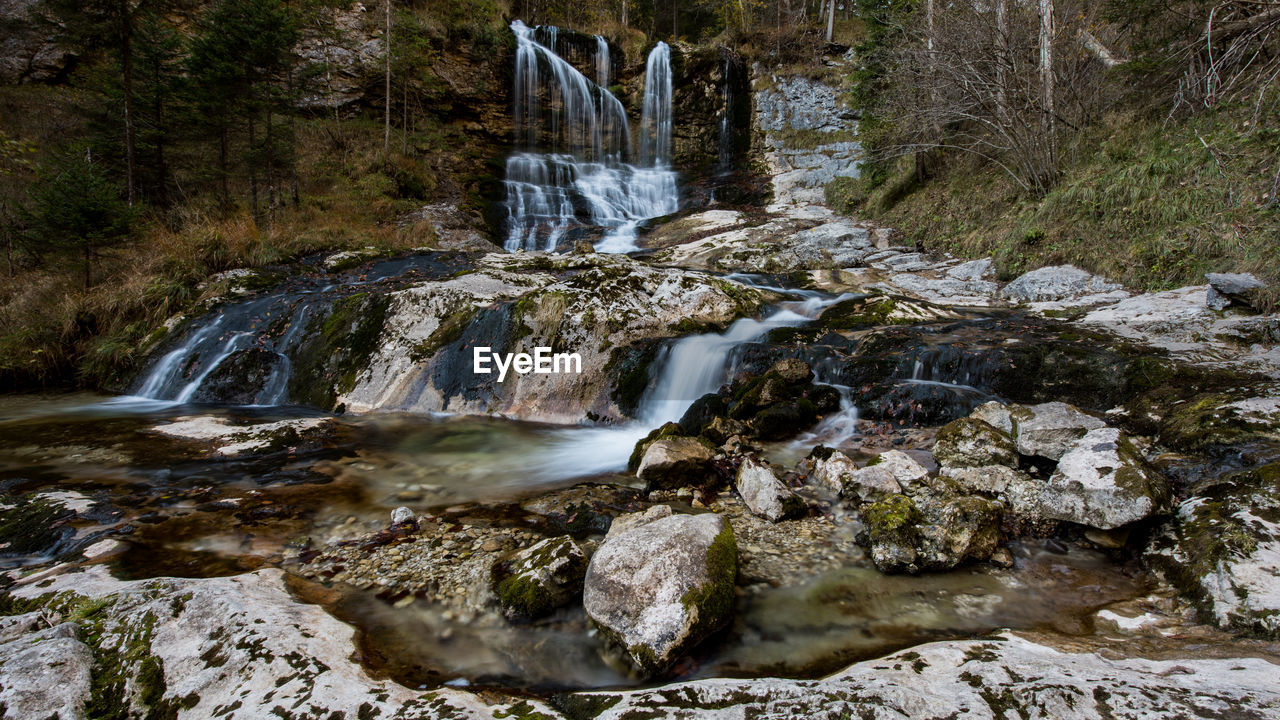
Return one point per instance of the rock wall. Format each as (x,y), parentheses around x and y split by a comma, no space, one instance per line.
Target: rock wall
(808,134)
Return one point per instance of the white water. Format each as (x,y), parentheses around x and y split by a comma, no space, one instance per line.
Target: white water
(694,366)
(570,171)
(656,120)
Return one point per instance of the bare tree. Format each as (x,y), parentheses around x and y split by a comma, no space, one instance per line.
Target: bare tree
(386,129)
(1046,82)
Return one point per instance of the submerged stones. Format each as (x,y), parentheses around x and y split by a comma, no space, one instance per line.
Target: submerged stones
(537,580)
(659,588)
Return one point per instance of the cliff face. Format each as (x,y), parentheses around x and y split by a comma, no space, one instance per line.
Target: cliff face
(27,53)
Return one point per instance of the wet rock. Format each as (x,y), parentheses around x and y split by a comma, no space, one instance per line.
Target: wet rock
(230,439)
(1222,550)
(933,533)
(1048,429)
(661,588)
(764,494)
(793,370)
(1055,283)
(968,443)
(539,579)
(988,677)
(1103,482)
(674,462)
(33,525)
(1226,289)
(45,674)
(994,414)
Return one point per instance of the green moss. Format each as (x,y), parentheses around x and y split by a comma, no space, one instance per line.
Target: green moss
(859,313)
(630,366)
(712,603)
(448,331)
(667,430)
(890,515)
(336,349)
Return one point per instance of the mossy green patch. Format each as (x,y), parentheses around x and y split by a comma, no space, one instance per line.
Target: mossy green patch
(337,347)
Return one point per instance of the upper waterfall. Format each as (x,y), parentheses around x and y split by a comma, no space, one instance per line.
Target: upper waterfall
(568,178)
(656,121)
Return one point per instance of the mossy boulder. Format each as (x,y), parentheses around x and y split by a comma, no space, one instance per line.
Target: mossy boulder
(1048,429)
(1220,550)
(659,589)
(665,431)
(968,443)
(906,535)
(1102,481)
(535,581)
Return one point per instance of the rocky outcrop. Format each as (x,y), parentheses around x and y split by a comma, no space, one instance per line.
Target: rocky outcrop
(1008,675)
(764,493)
(841,476)
(1103,482)
(658,589)
(422,357)
(28,52)
(1222,550)
(1061,283)
(809,136)
(237,647)
(537,580)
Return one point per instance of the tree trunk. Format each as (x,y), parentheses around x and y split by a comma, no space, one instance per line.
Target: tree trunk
(386,129)
(1002,61)
(126,62)
(253,170)
(624,14)
(222,170)
(1048,122)
(88,256)
(831,18)
(675,18)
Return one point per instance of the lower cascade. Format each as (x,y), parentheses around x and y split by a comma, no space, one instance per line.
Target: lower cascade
(569,178)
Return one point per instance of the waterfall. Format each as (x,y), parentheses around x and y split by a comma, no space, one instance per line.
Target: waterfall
(724,163)
(655,123)
(568,178)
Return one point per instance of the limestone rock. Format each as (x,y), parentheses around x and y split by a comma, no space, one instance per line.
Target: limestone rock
(764,493)
(968,443)
(936,533)
(1008,675)
(994,414)
(1048,429)
(675,462)
(1104,483)
(630,521)
(45,674)
(841,476)
(1226,289)
(540,578)
(1222,550)
(661,588)
(901,466)
(1057,282)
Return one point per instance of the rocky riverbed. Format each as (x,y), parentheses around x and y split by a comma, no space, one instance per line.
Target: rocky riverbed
(922,492)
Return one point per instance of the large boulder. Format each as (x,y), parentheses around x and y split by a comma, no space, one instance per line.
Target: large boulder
(1048,429)
(1057,282)
(1103,482)
(675,462)
(969,443)
(1222,550)
(660,588)
(764,493)
(540,578)
(932,533)
(905,469)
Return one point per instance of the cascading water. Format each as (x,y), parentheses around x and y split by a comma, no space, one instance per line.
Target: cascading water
(569,177)
(692,367)
(656,120)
